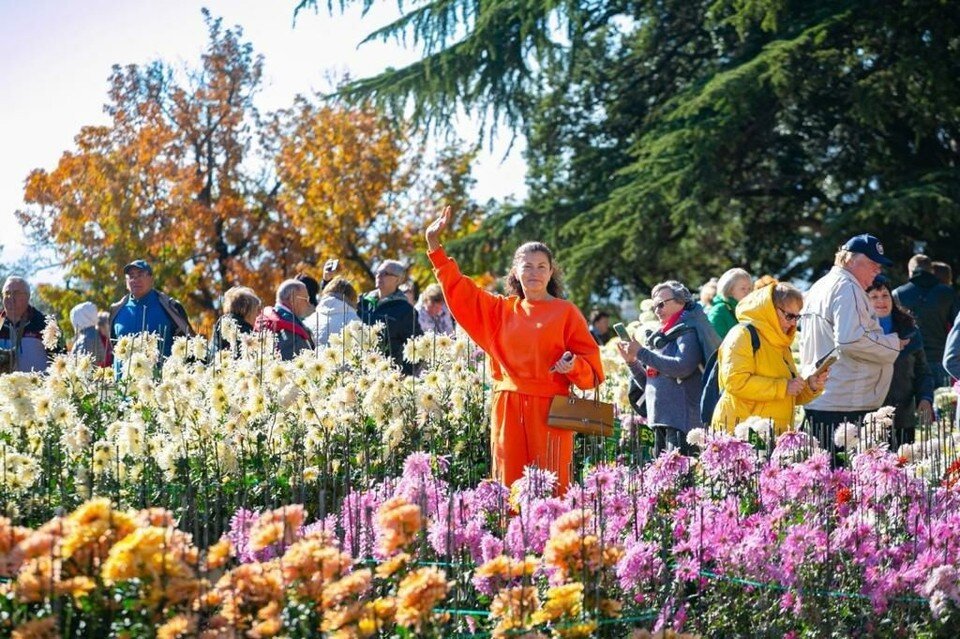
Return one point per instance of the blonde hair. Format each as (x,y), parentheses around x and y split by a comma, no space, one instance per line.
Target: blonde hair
(343,289)
(729,279)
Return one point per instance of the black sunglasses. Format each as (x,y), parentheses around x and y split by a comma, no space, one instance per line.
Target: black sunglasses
(790,317)
(659,305)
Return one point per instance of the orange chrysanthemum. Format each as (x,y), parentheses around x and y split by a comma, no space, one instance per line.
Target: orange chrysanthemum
(418,593)
(45,628)
(279,526)
(399,522)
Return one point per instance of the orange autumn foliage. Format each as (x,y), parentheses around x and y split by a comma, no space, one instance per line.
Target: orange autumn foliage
(190,176)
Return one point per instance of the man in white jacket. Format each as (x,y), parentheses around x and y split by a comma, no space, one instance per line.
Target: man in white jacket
(838,314)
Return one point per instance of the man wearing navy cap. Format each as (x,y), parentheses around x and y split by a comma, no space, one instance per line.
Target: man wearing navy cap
(147,310)
(837,314)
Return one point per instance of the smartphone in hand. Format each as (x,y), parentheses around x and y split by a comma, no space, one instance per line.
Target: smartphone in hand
(621,331)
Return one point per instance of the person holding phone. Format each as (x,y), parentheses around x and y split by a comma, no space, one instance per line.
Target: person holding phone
(538,344)
(764,383)
(911,387)
(668,365)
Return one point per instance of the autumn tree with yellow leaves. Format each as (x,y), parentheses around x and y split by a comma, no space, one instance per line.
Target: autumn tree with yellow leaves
(190,176)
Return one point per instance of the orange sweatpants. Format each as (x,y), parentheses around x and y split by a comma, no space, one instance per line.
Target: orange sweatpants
(519,436)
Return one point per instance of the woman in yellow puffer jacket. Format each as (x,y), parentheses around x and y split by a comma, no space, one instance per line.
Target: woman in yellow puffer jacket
(766,383)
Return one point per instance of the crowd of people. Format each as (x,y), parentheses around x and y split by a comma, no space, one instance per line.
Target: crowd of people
(305,314)
(863,344)
(879,346)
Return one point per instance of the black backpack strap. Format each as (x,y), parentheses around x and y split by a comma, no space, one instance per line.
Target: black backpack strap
(754,336)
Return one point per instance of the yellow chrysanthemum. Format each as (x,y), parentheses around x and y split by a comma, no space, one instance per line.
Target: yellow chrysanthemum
(96,526)
(562,601)
(162,558)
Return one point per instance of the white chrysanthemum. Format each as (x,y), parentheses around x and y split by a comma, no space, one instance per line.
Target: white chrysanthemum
(51,333)
(179,349)
(42,406)
(60,366)
(885,413)
(276,374)
(137,366)
(418,349)
(229,329)
(742,431)
(288,396)
(393,433)
(198,347)
(311,474)
(847,435)
(697,437)
(104,375)
(432,379)
(130,440)
(428,400)
(167,460)
(103,456)
(77,438)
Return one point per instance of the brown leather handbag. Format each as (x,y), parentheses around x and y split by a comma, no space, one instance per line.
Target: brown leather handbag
(581,414)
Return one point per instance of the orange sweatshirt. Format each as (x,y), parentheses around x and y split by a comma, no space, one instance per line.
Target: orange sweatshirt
(523,338)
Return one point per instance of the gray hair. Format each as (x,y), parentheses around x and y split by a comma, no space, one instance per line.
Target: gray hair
(843,257)
(729,279)
(16,279)
(677,290)
(783,293)
(287,290)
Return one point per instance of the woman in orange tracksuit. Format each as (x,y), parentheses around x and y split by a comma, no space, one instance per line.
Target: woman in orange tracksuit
(538,345)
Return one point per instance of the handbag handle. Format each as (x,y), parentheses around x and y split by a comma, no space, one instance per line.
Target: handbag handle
(571,392)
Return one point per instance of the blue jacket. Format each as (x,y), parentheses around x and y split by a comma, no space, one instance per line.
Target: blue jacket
(673,395)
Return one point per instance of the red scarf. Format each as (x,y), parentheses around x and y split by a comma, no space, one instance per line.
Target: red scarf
(672,321)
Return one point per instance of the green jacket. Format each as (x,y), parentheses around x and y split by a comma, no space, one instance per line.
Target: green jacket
(722,315)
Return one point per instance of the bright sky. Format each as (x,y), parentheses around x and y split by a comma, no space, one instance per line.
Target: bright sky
(55,58)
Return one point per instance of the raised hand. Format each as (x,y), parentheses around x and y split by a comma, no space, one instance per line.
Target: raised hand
(629,350)
(330,268)
(436,228)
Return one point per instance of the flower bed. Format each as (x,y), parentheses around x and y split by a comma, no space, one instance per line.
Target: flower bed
(252,497)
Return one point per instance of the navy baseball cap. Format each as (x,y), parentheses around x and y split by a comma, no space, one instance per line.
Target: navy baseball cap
(868,245)
(140,264)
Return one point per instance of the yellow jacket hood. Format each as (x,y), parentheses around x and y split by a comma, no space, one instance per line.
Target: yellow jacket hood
(758,309)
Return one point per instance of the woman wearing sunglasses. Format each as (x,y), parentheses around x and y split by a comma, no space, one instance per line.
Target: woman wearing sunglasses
(764,383)
(668,367)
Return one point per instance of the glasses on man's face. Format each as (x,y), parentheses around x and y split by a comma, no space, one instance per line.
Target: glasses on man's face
(790,317)
(9,295)
(386,274)
(659,305)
